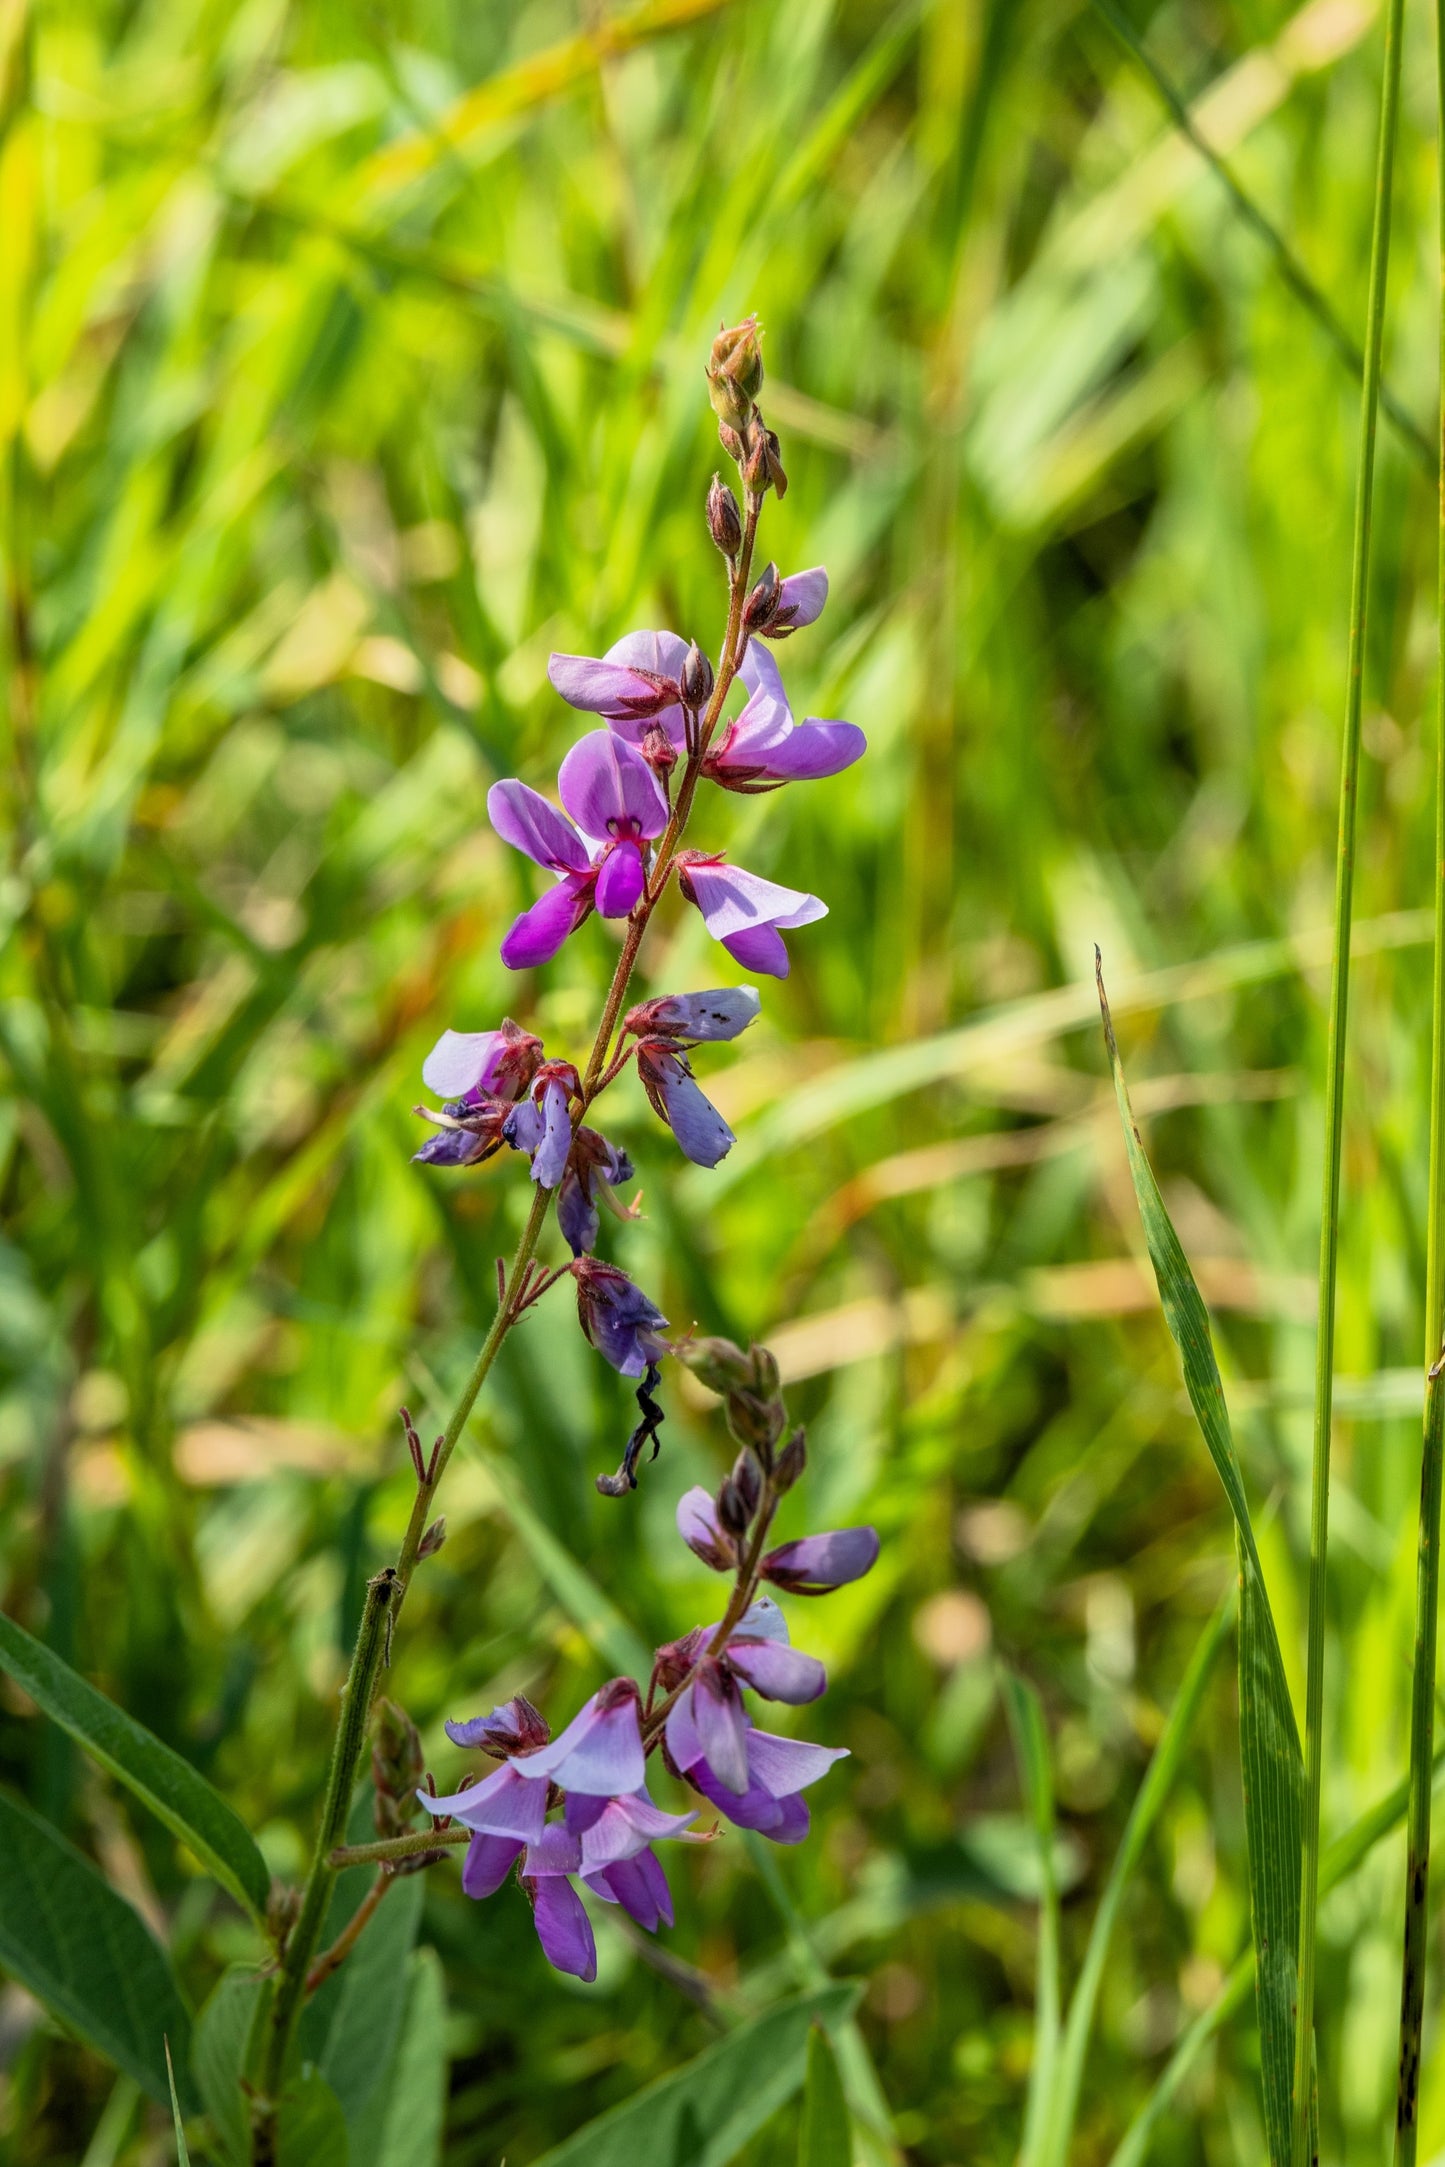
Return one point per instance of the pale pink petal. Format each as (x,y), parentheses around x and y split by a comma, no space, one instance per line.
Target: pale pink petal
(600,1751)
(606,786)
(530,824)
(462,1061)
(502,1805)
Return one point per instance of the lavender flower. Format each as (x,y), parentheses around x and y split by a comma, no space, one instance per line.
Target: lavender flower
(593,1169)
(791,603)
(819,1563)
(745,912)
(478,1065)
(542,1124)
(636,686)
(693,1017)
(609,1821)
(667,1079)
(701,1530)
(617,1317)
(616,806)
(763,746)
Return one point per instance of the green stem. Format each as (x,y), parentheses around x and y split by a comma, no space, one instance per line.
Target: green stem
(1334,1096)
(393,1848)
(1427,1595)
(366,1660)
(1422,1761)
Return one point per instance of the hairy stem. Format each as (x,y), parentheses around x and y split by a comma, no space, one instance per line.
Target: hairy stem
(1334,1098)
(397,1847)
(346,1754)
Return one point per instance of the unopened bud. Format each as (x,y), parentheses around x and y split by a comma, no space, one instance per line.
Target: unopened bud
(791,1460)
(732,1509)
(433,1539)
(735,372)
(755,1421)
(658,750)
(761,606)
(696,678)
(731,442)
(724,521)
(747,1480)
(762,461)
(397,1763)
(716,1363)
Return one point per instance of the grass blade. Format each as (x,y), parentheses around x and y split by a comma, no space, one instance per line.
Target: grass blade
(1031,1748)
(1335,1096)
(1153,1791)
(826,2136)
(183,2156)
(1269,1738)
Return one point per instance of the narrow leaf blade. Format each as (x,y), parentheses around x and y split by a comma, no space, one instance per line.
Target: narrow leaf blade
(1272,1764)
(706,2111)
(82,1951)
(174,1791)
(413,2117)
(827,2133)
(183,2157)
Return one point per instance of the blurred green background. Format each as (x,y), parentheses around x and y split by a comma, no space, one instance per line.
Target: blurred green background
(350,360)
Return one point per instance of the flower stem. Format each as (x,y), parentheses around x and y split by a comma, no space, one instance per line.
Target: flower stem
(1334,1097)
(346,1753)
(333,1958)
(397,1847)
(1427,1595)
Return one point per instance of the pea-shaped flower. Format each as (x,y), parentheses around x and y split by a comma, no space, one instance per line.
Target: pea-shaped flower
(616,807)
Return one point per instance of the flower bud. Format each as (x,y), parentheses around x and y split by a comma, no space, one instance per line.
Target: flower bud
(735,372)
(731,442)
(397,1763)
(658,750)
(762,461)
(514,1728)
(716,1363)
(747,1479)
(761,606)
(791,1460)
(696,678)
(433,1539)
(732,1510)
(755,1420)
(724,521)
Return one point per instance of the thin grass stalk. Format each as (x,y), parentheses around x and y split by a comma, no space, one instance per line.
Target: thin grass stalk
(1427,1582)
(1303,2086)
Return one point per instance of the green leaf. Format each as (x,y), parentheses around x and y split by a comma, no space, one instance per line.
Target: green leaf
(312,2128)
(168,1785)
(827,2133)
(703,2114)
(81,1950)
(183,2156)
(413,2116)
(1273,1767)
(1031,1748)
(223,2032)
(365,2011)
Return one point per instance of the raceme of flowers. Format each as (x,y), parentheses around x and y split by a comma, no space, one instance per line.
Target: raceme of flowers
(575,1809)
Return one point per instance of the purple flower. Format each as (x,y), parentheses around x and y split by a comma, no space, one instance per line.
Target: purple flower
(474,1066)
(800,602)
(763,746)
(693,1017)
(516,1727)
(639,1885)
(819,1563)
(465,1134)
(594,1167)
(700,1529)
(637,685)
(542,1125)
(616,805)
(606,1834)
(667,1079)
(757,1785)
(617,1317)
(745,912)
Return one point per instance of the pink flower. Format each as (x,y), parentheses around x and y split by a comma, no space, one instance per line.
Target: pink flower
(616,806)
(746,913)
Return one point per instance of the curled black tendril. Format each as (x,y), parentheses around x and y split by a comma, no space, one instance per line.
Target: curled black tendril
(645,1434)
